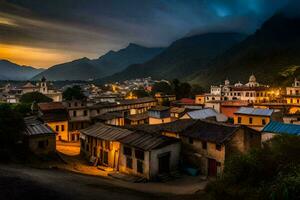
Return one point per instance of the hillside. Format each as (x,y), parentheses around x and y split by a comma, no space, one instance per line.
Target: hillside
(272,53)
(112,62)
(12,71)
(183,57)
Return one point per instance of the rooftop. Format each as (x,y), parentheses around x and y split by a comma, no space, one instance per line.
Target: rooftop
(254,111)
(159,108)
(147,141)
(50,106)
(210,131)
(106,132)
(282,128)
(36,127)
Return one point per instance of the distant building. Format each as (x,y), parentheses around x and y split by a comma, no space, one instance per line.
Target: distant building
(164,98)
(44,87)
(56,116)
(255,118)
(39,137)
(159,115)
(251,91)
(292,96)
(278,128)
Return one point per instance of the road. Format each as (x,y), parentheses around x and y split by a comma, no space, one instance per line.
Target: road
(19,182)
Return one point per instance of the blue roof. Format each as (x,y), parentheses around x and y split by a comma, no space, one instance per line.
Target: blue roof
(282,128)
(254,111)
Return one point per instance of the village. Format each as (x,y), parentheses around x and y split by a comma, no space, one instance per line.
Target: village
(156,140)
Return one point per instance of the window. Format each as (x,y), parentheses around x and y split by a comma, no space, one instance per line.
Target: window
(218,147)
(250,120)
(106,144)
(41,144)
(76,104)
(204,145)
(218,164)
(74,113)
(129,162)
(85,113)
(191,141)
(139,154)
(127,151)
(56,128)
(140,166)
(62,127)
(105,157)
(263,121)
(239,120)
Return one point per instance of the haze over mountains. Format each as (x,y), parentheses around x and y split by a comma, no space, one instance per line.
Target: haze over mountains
(272,53)
(108,64)
(12,71)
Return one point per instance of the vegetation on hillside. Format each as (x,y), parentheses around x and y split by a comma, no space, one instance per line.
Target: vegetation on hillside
(34,97)
(72,93)
(272,172)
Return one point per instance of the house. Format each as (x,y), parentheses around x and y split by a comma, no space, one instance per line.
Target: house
(56,116)
(292,96)
(164,98)
(215,104)
(99,144)
(111,118)
(255,118)
(278,128)
(159,115)
(207,113)
(228,108)
(206,144)
(149,155)
(38,136)
(136,119)
(44,87)
(177,112)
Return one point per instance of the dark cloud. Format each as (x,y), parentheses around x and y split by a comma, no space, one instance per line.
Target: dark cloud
(92,27)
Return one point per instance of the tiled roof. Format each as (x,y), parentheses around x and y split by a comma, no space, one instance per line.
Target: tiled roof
(159,108)
(28,85)
(105,132)
(210,131)
(51,106)
(36,127)
(254,111)
(147,141)
(137,117)
(207,113)
(282,128)
(110,115)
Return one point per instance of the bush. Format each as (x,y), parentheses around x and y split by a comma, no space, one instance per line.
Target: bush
(272,172)
(34,97)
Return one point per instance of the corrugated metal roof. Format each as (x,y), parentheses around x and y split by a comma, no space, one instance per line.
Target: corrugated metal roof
(207,113)
(282,128)
(36,127)
(106,132)
(254,111)
(147,141)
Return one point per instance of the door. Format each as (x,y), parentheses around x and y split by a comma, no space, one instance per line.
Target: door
(164,163)
(212,167)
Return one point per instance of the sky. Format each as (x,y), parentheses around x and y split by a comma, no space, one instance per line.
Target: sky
(42,33)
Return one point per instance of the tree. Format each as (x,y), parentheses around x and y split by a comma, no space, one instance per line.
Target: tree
(272,172)
(162,87)
(36,97)
(140,93)
(11,126)
(74,92)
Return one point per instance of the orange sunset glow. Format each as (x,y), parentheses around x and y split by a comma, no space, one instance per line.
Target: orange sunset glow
(32,56)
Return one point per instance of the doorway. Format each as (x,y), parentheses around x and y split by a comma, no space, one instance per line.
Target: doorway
(164,163)
(212,167)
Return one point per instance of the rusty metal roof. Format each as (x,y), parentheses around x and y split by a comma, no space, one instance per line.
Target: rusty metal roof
(36,127)
(105,132)
(147,141)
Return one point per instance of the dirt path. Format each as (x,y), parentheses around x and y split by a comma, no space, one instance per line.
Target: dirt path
(19,182)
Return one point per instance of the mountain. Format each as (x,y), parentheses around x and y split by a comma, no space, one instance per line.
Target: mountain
(12,71)
(108,64)
(272,53)
(183,57)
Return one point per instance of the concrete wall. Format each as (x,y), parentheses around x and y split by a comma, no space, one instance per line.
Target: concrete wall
(48,140)
(256,120)
(64,135)
(174,150)
(153,120)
